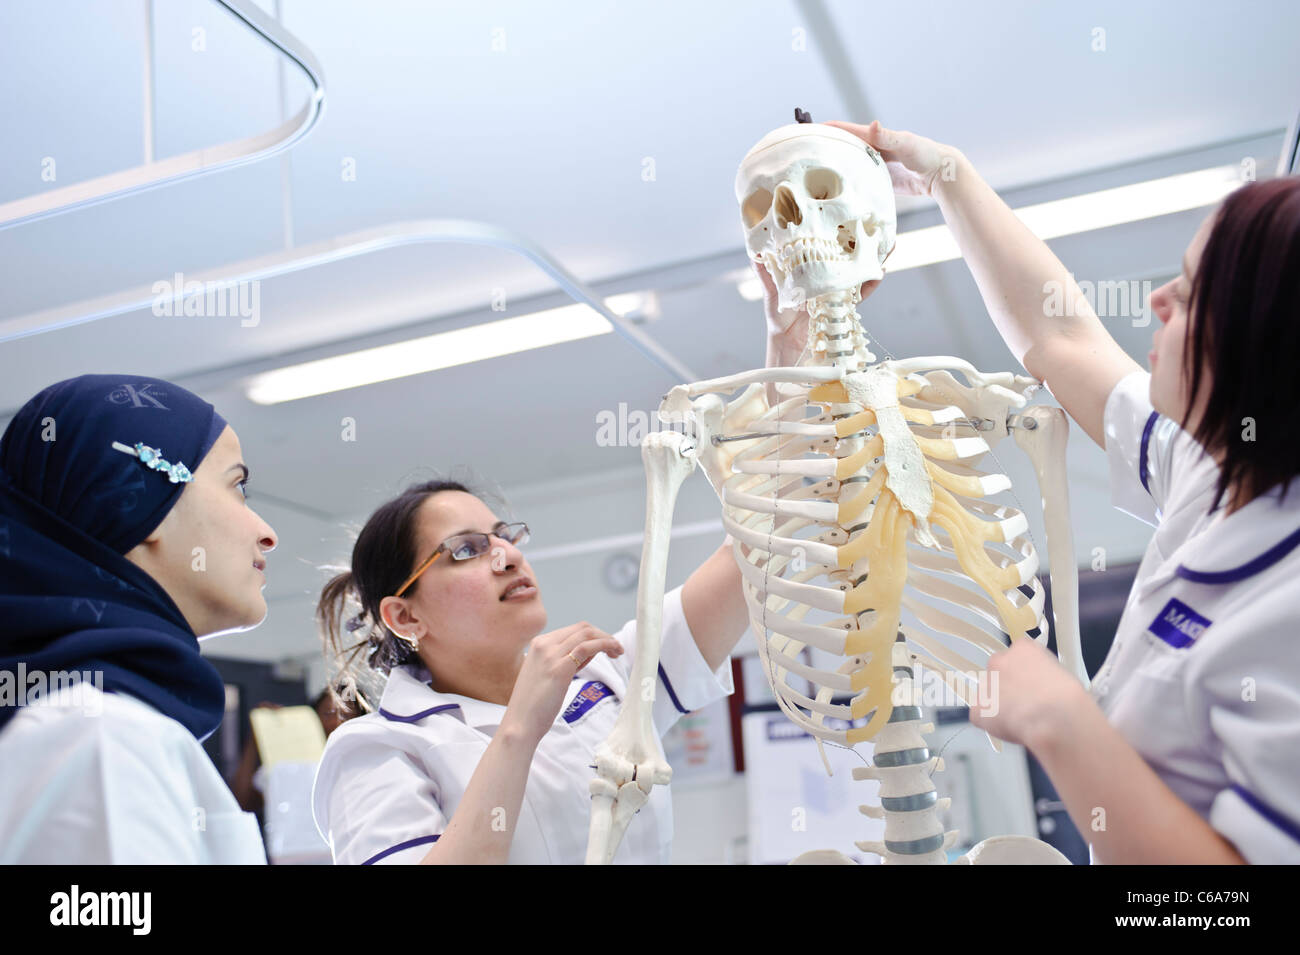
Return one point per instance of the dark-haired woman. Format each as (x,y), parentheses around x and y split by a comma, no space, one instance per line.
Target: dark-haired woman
(481,746)
(124,537)
(1187,747)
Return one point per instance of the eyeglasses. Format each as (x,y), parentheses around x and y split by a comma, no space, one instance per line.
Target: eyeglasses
(469,546)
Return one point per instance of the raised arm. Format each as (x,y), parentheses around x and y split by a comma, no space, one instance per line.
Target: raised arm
(1073,354)
(715,606)
(482,828)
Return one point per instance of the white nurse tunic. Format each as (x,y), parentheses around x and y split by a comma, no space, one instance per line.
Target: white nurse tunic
(389,781)
(91,778)
(1203,677)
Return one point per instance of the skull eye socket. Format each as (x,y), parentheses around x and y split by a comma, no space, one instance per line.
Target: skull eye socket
(755,207)
(822,183)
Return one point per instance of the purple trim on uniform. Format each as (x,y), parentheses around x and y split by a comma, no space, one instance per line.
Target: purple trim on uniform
(671,695)
(1272,815)
(417,716)
(409,843)
(1262,562)
(1143,474)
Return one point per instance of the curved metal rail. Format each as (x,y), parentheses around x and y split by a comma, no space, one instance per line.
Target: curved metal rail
(201,161)
(346,247)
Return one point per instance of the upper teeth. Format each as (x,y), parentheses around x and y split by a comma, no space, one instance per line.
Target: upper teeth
(515,587)
(810,248)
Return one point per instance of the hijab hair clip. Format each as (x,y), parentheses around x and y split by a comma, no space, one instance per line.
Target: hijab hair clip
(177,473)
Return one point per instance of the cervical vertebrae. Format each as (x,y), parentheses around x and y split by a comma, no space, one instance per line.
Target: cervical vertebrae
(860,525)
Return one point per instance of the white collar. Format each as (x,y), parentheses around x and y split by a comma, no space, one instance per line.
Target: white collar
(1233,547)
(408,698)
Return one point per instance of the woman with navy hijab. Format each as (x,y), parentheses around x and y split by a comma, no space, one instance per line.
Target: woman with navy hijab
(124,537)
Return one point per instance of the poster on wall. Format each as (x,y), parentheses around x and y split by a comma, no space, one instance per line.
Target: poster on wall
(794,806)
(698,747)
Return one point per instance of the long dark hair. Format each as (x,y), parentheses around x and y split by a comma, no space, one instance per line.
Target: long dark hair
(383,556)
(1244,313)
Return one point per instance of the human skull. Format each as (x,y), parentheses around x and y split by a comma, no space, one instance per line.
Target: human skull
(818,210)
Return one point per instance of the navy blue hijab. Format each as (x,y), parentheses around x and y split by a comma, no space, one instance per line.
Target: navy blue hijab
(70,507)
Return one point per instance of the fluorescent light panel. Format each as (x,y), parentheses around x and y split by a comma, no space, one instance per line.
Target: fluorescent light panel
(1047,220)
(1093,210)
(416,356)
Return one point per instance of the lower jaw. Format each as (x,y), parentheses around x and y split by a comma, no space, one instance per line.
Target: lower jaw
(821,276)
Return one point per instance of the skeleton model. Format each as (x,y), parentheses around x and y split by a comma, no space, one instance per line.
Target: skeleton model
(860,524)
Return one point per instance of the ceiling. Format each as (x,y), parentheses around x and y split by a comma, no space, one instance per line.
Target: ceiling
(542,118)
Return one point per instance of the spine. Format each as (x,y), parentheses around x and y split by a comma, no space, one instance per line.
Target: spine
(835,336)
(909,804)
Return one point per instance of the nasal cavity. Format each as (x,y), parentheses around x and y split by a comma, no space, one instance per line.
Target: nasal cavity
(787,208)
(847,240)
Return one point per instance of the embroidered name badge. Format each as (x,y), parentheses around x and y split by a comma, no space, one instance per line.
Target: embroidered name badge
(592,692)
(1178,624)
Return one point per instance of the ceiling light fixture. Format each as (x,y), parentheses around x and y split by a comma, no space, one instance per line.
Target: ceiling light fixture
(460,346)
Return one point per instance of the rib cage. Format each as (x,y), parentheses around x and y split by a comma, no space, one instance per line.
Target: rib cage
(784,507)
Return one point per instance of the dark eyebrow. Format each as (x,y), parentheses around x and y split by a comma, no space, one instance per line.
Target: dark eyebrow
(470,530)
(243,467)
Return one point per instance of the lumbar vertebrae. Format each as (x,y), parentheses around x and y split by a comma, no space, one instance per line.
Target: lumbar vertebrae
(832,496)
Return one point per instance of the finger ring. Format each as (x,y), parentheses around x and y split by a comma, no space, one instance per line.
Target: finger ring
(575,659)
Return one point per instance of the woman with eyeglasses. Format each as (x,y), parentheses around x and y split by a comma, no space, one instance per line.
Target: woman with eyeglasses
(480,749)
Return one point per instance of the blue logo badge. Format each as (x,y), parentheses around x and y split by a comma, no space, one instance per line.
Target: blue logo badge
(592,692)
(1178,624)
